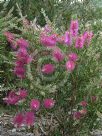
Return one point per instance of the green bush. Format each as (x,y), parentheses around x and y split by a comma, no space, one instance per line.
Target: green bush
(68,89)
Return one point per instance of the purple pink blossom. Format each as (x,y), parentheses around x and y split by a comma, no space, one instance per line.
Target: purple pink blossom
(22,43)
(35,104)
(18,120)
(83,103)
(49,103)
(12,98)
(70,65)
(73,56)
(11,39)
(87,37)
(57,55)
(68,38)
(19,63)
(19,72)
(29,118)
(48,68)
(22,51)
(22,93)
(22,58)
(10,36)
(48,41)
(77,115)
(79,42)
(74,26)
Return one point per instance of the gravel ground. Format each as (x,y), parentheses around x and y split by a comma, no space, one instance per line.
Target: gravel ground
(97,133)
(7,129)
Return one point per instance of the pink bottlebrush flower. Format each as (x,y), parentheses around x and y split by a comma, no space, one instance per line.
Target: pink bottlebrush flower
(29,118)
(28,59)
(18,119)
(79,42)
(68,39)
(87,37)
(49,103)
(11,99)
(70,65)
(48,41)
(23,56)
(73,56)
(93,98)
(48,68)
(10,36)
(19,72)
(19,63)
(83,103)
(22,43)
(25,59)
(22,51)
(83,112)
(74,26)
(77,115)
(22,93)
(35,104)
(57,55)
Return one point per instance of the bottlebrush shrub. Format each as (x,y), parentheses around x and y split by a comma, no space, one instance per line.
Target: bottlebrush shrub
(60,72)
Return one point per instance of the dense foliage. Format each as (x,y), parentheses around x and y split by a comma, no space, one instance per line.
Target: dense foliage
(61,85)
